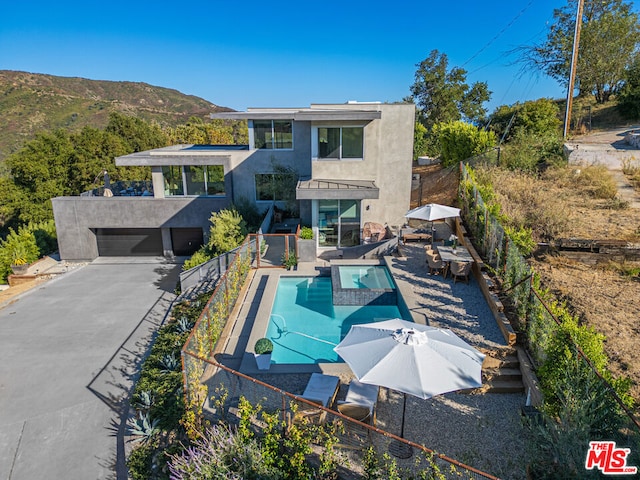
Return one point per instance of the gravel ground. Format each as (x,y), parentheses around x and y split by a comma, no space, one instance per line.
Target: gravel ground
(481,430)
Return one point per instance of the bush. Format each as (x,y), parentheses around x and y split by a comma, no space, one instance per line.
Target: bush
(228,230)
(19,248)
(306,233)
(459,141)
(263,345)
(201,256)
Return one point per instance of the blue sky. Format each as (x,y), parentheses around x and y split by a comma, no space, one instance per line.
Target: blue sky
(279,54)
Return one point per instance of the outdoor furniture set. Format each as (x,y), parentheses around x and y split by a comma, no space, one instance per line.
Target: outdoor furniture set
(359,404)
(448,259)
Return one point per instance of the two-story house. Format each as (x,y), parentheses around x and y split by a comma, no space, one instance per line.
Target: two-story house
(348,163)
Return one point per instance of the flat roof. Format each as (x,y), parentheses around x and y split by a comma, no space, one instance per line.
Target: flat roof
(328,189)
(181,154)
(349,111)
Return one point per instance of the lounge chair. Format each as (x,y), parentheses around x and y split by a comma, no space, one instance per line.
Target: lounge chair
(360,402)
(322,389)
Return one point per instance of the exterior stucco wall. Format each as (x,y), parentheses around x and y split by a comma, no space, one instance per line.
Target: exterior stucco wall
(388,157)
(246,164)
(77,217)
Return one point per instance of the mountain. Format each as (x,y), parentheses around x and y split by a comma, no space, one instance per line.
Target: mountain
(32,102)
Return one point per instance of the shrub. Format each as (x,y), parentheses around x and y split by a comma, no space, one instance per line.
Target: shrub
(306,233)
(18,248)
(228,230)
(201,256)
(263,345)
(459,141)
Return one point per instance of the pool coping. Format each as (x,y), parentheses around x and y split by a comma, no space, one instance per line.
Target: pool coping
(260,320)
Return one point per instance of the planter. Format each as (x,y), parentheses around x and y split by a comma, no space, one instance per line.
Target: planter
(307,250)
(263,360)
(20,269)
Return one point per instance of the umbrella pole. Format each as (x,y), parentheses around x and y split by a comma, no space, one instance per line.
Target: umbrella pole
(404,409)
(397,448)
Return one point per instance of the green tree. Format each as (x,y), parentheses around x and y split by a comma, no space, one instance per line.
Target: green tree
(459,141)
(537,117)
(609,37)
(629,98)
(137,134)
(442,94)
(39,172)
(228,230)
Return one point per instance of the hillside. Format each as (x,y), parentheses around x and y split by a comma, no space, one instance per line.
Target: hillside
(31,102)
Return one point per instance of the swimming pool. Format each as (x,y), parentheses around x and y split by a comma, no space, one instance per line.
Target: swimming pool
(363,285)
(366,276)
(304,325)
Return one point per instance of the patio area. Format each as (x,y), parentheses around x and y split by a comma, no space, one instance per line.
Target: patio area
(483,430)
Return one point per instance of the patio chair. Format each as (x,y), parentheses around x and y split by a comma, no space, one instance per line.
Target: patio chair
(360,402)
(460,270)
(436,265)
(320,390)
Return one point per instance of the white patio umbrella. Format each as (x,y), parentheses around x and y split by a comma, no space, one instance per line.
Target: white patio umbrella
(416,359)
(433,211)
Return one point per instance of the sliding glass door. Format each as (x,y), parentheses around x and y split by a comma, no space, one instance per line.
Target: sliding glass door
(338,223)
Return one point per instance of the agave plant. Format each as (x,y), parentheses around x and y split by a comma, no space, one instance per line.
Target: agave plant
(169,363)
(144,401)
(184,325)
(143,427)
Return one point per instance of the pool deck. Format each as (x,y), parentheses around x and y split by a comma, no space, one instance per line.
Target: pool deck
(431,300)
(471,428)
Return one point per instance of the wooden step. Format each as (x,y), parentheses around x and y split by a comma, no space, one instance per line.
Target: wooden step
(506,374)
(508,361)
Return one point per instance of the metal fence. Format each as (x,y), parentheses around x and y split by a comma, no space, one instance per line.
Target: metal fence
(216,390)
(533,315)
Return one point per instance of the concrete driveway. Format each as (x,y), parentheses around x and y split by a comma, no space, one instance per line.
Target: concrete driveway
(69,352)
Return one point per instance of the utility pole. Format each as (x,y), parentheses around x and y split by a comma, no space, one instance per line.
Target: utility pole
(574,64)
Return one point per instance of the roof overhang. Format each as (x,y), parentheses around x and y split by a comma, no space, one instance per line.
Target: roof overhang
(306,115)
(319,189)
(180,155)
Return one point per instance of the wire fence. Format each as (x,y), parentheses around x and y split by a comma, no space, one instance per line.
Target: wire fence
(536,320)
(215,391)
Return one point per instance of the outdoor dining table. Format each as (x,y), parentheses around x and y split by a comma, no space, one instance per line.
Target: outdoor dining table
(447,254)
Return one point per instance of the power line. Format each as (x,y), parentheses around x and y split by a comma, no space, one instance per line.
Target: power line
(499,33)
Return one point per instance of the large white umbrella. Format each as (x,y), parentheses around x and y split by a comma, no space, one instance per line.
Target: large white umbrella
(433,211)
(416,359)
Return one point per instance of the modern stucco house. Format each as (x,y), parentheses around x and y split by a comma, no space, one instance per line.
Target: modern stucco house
(352,163)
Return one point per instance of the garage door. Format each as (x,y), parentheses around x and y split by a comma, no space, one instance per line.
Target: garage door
(186,241)
(125,242)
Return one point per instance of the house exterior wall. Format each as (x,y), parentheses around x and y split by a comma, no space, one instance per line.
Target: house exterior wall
(387,161)
(77,218)
(388,156)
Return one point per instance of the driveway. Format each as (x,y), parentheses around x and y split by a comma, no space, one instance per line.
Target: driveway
(69,352)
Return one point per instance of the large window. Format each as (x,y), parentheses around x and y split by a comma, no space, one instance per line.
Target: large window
(273,134)
(339,223)
(277,187)
(194,180)
(340,142)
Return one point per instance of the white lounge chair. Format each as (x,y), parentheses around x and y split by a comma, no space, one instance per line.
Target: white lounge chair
(360,402)
(322,389)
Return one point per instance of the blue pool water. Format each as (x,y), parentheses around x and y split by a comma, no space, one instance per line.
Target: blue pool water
(371,276)
(305,326)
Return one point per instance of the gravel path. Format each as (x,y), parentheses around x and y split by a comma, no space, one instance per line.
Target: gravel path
(481,430)
(460,307)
